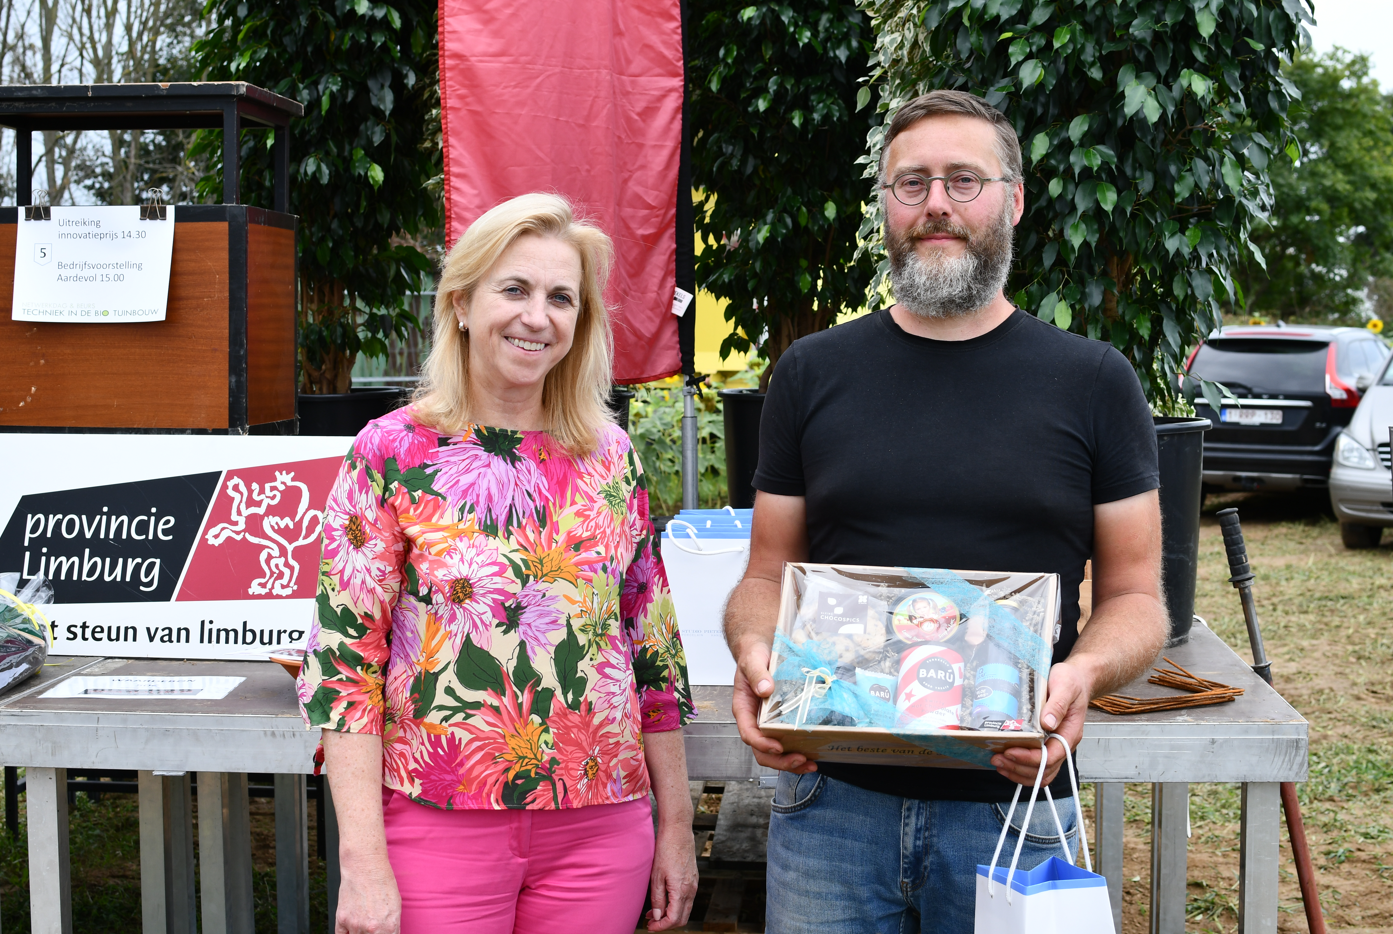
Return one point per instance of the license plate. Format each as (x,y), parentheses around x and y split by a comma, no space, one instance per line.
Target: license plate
(1252,416)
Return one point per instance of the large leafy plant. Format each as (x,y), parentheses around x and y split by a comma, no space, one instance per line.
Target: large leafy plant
(363,158)
(1149,129)
(773,95)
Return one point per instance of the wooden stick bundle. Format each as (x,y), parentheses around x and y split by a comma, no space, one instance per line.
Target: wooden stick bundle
(1203,693)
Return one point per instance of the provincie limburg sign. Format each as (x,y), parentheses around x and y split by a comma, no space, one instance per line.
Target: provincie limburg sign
(203,547)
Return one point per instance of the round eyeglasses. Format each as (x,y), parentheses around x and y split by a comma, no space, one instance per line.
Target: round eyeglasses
(963,186)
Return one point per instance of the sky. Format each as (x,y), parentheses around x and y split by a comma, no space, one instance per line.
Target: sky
(1360,26)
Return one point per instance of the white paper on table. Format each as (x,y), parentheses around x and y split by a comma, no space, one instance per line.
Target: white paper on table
(213,687)
(93,265)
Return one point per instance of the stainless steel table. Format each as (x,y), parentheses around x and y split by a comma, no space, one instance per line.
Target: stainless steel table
(256,728)
(1258,741)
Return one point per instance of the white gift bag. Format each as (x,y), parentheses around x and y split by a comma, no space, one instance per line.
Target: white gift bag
(1053,898)
(702,570)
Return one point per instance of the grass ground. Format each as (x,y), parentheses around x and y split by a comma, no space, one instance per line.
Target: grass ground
(1327,616)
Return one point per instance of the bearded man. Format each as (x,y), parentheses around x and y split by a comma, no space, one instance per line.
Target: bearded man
(951,430)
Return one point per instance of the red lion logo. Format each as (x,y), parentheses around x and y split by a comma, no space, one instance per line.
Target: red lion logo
(282,571)
(255,534)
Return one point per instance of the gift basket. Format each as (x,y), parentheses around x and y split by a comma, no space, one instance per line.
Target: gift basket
(25,633)
(910,666)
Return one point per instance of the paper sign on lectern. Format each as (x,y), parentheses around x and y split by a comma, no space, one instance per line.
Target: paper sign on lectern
(93,265)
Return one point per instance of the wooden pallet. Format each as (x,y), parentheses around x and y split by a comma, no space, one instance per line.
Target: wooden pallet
(731,831)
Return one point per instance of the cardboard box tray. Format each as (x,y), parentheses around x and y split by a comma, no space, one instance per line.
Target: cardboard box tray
(874,746)
(878,746)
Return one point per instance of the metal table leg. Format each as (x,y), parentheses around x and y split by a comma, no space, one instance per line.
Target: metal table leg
(50,895)
(1258,858)
(1170,813)
(12,800)
(150,798)
(167,894)
(292,856)
(331,850)
(1107,809)
(225,853)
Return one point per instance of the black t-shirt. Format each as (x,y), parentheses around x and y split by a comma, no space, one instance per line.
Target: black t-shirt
(987,454)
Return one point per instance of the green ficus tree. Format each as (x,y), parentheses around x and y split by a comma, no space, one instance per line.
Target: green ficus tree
(363,158)
(773,98)
(1148,127)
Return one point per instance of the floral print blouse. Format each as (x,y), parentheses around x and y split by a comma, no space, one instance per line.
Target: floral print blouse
(494,609)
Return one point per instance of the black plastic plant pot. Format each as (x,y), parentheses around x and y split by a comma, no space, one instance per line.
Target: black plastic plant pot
(619,399)
(741,409)
(1180,450)
(345,413)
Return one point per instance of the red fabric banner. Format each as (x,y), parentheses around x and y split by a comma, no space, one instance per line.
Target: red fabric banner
(581,97)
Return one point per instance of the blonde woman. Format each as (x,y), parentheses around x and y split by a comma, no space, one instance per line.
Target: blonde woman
(495,663)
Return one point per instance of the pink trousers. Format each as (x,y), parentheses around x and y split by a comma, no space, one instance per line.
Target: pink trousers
(519,872)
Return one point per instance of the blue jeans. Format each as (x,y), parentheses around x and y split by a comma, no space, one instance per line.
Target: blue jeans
(843,860)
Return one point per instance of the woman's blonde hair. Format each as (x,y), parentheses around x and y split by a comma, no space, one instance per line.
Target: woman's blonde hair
(575,393)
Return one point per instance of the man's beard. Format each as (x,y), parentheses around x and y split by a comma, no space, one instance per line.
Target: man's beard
(949,287)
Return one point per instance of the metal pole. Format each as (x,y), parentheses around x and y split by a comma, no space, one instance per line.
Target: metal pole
(1170,803)
(231,154)
(50,895)
(1108,803)
(24,166)
(153,895)
(12,799)
(292,856)
(1257,854)
(225,853)
(331,852)
(280,155)
(690,495)
(1259,859)
(181,905)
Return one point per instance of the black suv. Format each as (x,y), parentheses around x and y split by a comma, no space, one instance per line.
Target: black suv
(1292,389)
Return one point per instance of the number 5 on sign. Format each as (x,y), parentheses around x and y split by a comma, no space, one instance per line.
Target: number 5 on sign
(43,252)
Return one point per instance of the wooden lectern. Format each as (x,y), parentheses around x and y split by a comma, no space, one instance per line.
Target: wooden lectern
(223,360)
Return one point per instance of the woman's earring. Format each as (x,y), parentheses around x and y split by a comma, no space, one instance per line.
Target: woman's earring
(462,327)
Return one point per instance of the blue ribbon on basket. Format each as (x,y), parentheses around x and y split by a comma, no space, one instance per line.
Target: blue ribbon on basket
(1002,624)
(812,664)
(799,662)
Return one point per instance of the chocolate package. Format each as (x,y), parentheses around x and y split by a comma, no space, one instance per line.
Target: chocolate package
(910,666)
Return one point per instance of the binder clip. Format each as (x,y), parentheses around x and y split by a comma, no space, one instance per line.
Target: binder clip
(39,211)
(155,209)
